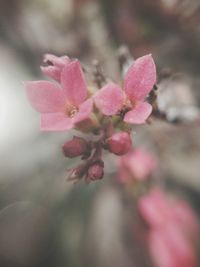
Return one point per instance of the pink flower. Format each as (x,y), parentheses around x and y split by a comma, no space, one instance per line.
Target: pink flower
(119,143)
(138,82)
(61,106)
(173,229)
(54,66)
(138,164)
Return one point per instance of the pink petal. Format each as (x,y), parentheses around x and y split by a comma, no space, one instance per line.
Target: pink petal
(56,61)
(159,250)
(139,114)
(155,208)
(54,66)
(85,111)
(140,78)
(73,83)
(109,99)
(52,72)
(169,248)
(55,122)
(186,218)
(45,97)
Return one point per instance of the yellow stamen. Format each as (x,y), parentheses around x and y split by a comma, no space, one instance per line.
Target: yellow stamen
(71,110)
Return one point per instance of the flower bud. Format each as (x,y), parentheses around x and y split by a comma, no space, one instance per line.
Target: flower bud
(77,173)
(76,147)
(54,66)
(119,143)
(95,171)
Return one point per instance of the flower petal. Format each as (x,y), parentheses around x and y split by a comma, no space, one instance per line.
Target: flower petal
(85,110)
(140,78)
(54,66)
(55,122)
(155,208)
(73,83)
(109,99)
(51,71)
(56,61)
(45,96)
(139,114)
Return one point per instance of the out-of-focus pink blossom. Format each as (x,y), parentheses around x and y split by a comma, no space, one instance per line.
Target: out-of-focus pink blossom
(173,228)
(138,164)
(119,143)
(54,66)
(61,106)
(155,208)
(185,217)
(138,82)
(76,147)
(170,248)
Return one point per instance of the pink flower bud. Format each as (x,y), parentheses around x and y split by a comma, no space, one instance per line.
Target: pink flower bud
(76,147)
(95,171)
(54,66)
(119,143)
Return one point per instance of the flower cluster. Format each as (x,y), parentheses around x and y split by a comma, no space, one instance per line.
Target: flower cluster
(173,229)
(103,117)
(108,113)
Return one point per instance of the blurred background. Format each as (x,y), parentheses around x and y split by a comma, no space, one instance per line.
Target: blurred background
(45,221)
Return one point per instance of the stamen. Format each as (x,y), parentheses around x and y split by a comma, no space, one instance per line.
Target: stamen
(71,111)
(127,106)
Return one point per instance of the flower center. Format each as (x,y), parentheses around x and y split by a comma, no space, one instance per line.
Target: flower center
(71,111)
(127,105)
